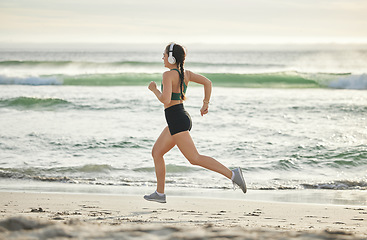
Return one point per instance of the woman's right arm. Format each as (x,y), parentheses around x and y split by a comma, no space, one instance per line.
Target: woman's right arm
(200,79)
(165,96)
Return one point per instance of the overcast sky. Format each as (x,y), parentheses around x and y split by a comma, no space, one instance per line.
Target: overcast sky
(197,21)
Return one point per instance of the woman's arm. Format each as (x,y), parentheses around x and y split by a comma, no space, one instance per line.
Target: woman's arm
(165,96)
(200,79)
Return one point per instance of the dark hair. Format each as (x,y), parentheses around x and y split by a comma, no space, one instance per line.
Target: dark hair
(179,53)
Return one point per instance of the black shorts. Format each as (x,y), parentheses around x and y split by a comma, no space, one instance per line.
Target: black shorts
(178,119)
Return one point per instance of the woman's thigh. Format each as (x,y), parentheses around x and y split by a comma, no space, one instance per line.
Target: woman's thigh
(164,143)
(186,145)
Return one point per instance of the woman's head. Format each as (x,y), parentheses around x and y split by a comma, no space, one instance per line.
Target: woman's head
(178,53)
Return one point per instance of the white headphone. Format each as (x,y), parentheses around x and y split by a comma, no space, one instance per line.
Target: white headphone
(171,58)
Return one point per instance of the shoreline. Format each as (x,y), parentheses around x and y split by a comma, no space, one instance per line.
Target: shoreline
(82,214)
(353,197)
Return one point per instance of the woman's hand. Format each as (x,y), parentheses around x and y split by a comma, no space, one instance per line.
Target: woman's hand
(204,109)
(152,86)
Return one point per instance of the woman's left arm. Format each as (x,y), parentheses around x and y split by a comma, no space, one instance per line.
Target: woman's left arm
(200,79)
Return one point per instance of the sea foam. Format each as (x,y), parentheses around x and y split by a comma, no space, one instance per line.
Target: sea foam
(350,82)
(30,80)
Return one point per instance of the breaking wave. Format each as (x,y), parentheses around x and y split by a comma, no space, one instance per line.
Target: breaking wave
(33,103)
(258,80)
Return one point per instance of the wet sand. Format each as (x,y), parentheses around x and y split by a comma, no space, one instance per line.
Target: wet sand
(85,216)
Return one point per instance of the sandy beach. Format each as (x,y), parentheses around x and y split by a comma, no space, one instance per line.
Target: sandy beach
(88,216)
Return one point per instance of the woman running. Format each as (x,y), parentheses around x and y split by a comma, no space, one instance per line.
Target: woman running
(172,95)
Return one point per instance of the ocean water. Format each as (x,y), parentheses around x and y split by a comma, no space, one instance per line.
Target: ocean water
(84,121)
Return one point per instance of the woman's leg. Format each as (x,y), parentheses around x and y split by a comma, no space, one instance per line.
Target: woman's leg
(186,145)
(164,143)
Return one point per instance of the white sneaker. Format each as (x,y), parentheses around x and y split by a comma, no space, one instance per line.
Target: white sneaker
(155,198)
(239,180)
